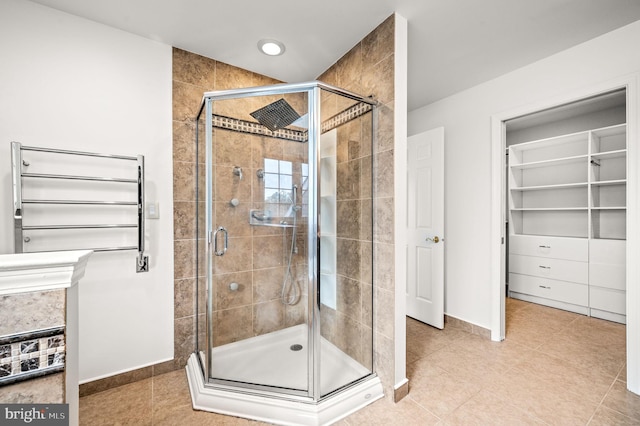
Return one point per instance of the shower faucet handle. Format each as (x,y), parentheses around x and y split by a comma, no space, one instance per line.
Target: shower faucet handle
(238,171)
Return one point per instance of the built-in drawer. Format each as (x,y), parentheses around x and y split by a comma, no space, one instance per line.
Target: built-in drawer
(545,267)
(607,263)
(553,247)
(607,299)
(608,276)
(564,291)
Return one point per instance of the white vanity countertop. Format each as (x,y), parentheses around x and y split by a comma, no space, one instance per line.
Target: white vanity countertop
(41,271)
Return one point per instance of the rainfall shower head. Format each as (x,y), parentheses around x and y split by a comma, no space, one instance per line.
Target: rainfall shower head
(276,115)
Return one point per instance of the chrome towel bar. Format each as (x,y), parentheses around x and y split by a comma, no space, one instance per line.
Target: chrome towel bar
(21,180)
(64,151)
(31,228)
(90,202)
(96,178)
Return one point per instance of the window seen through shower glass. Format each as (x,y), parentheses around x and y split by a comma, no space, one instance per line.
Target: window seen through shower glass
(278,182)
(278,186)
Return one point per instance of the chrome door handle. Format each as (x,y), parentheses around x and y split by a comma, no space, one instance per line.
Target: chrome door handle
(435,239)
(215,241)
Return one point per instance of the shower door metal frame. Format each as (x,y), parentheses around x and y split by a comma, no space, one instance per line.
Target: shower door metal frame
(313,90)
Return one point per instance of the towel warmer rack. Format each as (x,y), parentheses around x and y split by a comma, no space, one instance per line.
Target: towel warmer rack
(19,202)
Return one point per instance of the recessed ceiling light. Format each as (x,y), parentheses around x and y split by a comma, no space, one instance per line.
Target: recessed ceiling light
(271,47)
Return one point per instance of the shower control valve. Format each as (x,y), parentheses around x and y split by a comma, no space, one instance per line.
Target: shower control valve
(238,171)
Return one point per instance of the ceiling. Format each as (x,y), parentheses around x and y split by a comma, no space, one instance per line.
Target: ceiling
(453,44)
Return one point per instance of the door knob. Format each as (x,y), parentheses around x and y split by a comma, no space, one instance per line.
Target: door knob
(435,239)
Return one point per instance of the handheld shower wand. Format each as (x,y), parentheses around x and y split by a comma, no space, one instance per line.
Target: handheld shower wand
(291,300)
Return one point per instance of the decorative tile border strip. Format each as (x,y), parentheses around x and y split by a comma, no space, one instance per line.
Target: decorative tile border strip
(345,116)
(243,126)
(33,354)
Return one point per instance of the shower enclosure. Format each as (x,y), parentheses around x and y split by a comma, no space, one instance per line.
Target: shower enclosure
(285,254)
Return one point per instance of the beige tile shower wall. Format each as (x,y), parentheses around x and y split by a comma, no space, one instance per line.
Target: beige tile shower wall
(368,69)
(349,326)
(255,259)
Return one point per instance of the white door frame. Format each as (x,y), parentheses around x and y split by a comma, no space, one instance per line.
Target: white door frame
(498,207)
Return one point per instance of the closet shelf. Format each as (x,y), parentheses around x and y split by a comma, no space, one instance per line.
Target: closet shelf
(549,209)
(554,141)
(550,163)
(620,153)
(546,187)
(609,182)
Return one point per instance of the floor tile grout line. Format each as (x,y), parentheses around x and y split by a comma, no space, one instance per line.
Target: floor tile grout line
(602,401)
(569,360)
(578,369)
(612,409)
(440,419)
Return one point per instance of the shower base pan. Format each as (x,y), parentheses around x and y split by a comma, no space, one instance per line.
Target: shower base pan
(268,359)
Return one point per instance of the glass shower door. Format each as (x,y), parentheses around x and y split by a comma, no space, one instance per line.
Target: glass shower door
(257,207)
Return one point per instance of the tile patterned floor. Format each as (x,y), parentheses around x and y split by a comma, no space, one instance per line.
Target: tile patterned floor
(555,368)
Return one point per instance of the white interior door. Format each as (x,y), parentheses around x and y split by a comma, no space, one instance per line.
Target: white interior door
(425,226)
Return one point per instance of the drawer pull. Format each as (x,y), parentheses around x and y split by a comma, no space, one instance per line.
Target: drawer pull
(544,267)
(545,247)
(544,286)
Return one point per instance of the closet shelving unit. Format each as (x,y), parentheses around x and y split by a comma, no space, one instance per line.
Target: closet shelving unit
(567,215)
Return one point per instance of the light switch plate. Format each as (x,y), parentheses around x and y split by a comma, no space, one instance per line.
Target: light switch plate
(152,211)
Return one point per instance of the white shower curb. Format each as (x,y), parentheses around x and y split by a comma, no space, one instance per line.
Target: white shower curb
(277,410)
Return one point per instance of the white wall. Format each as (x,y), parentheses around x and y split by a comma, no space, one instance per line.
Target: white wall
(400,198)
(604,118)
(70,83)
(466,117)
